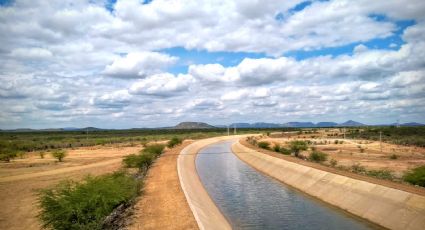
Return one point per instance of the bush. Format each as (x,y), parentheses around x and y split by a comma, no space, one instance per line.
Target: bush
(317,156)
(276,148)
(174,141)
(59,154)
(285,151)
(84,205)
(41,154)
(155,149)
(8,155)
(393,157)
(381,174)
(333,162)
(264,145)
(416,176)
(297,147)
(141,161)
(357,168)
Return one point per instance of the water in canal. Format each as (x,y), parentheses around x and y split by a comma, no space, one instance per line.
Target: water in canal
(251,200)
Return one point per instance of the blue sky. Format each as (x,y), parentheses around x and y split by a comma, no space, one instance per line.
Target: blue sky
(124,64)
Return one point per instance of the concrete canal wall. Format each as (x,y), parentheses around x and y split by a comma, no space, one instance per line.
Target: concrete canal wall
(388,207)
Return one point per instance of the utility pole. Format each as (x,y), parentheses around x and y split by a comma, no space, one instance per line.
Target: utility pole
(234,129)
(344,133)
(228,131)
(87,133)
(380,139)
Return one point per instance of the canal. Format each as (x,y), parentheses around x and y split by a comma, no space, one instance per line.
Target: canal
(251,200)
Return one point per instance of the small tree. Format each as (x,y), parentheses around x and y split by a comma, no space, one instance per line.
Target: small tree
(297,146)
(59,154)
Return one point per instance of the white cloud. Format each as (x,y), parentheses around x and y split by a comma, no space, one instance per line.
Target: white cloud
(163,84)
(31,53)
(139,64)
(73,61)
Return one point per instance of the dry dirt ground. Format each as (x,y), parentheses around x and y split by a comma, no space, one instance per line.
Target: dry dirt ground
(20,179)
(366,153)
(163,204)
(387,183)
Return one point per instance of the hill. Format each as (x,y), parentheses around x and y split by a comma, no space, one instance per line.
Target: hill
(193,125)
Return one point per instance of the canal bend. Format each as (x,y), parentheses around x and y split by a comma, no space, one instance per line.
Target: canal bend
(251,200)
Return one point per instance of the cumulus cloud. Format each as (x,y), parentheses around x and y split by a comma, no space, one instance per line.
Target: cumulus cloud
(139,64)
(164,84)
(73,61)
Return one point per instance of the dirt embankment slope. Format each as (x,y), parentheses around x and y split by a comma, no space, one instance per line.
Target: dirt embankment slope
(163,204)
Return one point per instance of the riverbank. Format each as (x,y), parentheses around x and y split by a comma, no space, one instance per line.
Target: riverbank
(388,207)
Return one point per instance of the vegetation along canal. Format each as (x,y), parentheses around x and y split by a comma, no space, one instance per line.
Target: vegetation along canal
(251,200)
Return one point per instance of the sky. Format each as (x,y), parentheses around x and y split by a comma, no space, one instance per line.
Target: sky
(134,63)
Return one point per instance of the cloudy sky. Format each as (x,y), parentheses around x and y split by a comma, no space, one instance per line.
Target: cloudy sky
(134,63)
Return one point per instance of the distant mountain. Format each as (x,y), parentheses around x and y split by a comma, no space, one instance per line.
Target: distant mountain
(412,124)
(351,123)
(299,124)
(193,125)
(241,125)
(71,129)
(256,125)
(326,124)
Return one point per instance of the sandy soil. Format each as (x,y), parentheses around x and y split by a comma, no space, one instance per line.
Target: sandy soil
(366,153)
(163,204)
(20,179)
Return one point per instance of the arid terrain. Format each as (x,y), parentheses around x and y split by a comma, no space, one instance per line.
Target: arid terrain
(347,152)
(21,178)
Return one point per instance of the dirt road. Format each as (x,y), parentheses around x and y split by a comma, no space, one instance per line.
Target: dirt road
(163,204)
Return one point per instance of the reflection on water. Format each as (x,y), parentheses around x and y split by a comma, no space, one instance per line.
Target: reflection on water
(251,200)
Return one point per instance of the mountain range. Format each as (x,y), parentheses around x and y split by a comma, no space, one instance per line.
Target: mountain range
(203,125)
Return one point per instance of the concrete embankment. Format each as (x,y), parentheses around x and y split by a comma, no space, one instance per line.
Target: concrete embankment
(206,213)
(388,207)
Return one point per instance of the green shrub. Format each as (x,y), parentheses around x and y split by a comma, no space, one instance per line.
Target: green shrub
(393,157)
(416,176)
(381,174)
(174,141)
(317,156)
(84,205)
(285,151)
(155,149)
(141,161)
(276,148)
(336,142)
(42,154)
(59,154)
(264,145)
(8,155)
(297,147)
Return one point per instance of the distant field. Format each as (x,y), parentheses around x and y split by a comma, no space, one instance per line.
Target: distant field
(46,140)
(396,135)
